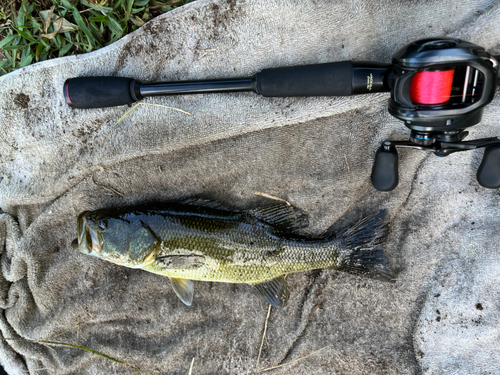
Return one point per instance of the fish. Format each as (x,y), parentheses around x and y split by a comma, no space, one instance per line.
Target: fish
(201,240)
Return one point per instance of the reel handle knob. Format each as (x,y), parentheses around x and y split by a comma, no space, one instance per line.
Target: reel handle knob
(488,173)
(385,168)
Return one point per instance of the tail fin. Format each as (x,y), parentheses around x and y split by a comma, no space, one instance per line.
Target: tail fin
(362,252)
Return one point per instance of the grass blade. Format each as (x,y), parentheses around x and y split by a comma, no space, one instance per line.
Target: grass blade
(128,9)
(6,41)
(81,24)
(26,35)
(99,8)
(96,23)
(11,48)
(26,57)
(66,4)
(115,27)
(98,19)
(65,49)
(93,352)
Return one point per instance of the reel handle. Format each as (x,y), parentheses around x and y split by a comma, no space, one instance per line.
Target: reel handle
(488,173)
(385,168)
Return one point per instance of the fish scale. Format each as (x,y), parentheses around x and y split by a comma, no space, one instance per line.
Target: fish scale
(200,240)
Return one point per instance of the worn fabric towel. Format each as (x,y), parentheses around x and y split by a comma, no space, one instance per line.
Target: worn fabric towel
(441,315)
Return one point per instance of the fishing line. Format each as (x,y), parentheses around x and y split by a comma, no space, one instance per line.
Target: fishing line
(431,87)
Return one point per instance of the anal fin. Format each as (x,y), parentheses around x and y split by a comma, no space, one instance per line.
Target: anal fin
(184,289)
(274,291)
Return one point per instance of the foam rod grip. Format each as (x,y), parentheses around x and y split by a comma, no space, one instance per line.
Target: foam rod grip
(99,92)
(331,79)
(488,173)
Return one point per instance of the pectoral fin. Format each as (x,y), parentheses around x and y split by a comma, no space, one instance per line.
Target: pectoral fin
(184,289)
(274,292)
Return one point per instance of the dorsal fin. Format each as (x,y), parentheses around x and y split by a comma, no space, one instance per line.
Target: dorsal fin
(274,291)
(198,202)
(282,215)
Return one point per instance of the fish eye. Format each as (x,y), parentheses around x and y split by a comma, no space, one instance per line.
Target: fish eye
(102,224)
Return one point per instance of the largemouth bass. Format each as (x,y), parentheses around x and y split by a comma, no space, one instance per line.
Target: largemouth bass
(201,240)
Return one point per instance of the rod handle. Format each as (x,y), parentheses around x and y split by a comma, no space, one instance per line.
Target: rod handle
(342,78)
(99,92)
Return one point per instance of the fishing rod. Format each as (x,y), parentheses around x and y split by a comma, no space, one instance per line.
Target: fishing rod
(439,87)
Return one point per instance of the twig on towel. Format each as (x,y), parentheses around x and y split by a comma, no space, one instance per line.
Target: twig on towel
(91,351)
(295,360)
(134,107)
(48,347)
(271,197)
(39,369)
(283,364)
(80,165)
(191,367)
(345,157)
(46,343)
(205,51)
(263,337)
(107,188)
(114,191)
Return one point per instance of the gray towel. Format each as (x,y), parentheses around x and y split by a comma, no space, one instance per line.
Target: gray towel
(440,316)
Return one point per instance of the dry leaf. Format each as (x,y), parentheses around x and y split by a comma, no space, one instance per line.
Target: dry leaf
(60,24)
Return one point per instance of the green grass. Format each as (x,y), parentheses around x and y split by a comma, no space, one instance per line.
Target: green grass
(38,30)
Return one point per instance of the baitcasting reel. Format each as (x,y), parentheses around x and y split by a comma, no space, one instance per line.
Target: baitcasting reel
(438,86)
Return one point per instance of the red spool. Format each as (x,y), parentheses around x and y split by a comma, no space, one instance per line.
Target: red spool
(431,87)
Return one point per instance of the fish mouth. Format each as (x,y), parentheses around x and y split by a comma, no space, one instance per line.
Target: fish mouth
(88,240)
(95,244)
